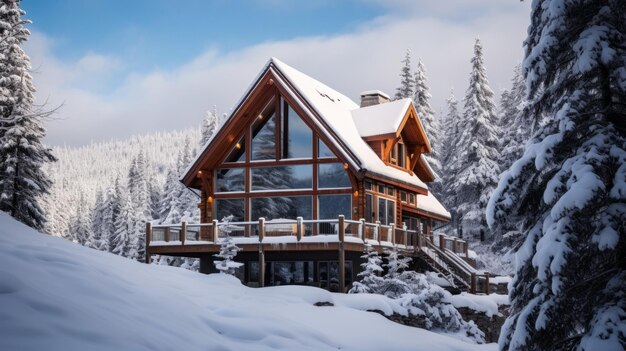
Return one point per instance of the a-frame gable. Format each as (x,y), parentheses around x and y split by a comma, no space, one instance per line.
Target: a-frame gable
(267,87)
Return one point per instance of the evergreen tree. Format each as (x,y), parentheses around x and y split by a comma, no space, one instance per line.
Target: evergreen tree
(112,209)
(210,123)
(474,166)
(22,154)
(228,250)
(394,283)
(568,190)
(81,227)
(453,124)
(371,281)
(122,239)
(98,224)
(405,90)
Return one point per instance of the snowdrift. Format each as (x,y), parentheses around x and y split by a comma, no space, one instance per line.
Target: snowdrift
(56,295)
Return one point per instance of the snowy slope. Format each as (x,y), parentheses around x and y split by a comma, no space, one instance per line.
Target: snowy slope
(56,295)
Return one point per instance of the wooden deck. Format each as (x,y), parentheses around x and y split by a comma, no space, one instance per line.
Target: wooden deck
(447,255)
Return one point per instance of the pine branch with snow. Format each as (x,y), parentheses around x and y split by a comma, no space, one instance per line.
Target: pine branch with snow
(407,83)
(228,249)
(370,279)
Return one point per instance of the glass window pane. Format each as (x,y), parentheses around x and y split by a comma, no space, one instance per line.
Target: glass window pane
(331,206)
(403,196)
(369,208)
(238,152)
(332,175)
(297,137)
(323,151)
(391,212)
(229,180)
(227,207)
(281,207)
(282,177)
(264,134)
(382,210)
(381,188)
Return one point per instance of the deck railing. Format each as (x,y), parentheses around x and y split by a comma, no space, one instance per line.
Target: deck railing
(444,252)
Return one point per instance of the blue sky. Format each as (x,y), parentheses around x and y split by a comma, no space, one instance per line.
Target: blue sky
(157,65)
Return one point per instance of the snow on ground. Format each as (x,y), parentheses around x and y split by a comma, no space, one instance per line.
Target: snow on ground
(56,295)
(480,303)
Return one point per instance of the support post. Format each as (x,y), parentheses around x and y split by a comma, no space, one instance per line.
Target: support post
(377,231)
(473,283)
(148,258)
(183,232)
(487,283)
(442,242)
(466,248)
(214,232)
(166,234)
(393,234)
(261,252)
(342,255)
(299,228)
(455,248)
(405,238)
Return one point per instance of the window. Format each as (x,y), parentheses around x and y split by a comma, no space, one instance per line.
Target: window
(368,185)
(281,178)
(332,175)
(281,207)
(238,152)
(369,208)
(228,180)
(329,275)
(401,154)
(381,188)
(298,272)
(297,137)
(331,206)
(323,151)
(391,191)
(412,198)
(227,207)
(403,196)
(386,211)
(263,132)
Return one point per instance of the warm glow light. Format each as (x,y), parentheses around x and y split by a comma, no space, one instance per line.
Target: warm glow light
(199,172)
(345,166)
(209,199)
(260,116)
(238,146)
(356,193)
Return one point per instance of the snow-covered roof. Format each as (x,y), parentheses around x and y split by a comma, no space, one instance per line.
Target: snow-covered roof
(429,203)
(336,110)
(381,118)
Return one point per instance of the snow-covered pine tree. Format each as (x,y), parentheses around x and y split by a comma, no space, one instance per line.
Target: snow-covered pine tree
(122,240)
(405,90)
(100,236)
(80,225)
(210,123)
(112,209)
(432,125)
(394,284)
(475,165)
(452,124)
(228,249)
(370,280)
(515,128)
(568,190)
(22,153)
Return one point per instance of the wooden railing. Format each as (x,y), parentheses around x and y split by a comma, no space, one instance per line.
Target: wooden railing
(443,253)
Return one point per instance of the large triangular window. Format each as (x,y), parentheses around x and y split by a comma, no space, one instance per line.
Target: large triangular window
(264,134)
(296,136)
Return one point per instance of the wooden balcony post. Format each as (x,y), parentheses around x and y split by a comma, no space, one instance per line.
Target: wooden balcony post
(442,242)
(393,234)
(299,228)
(214,232)
(377,231)
(466,247)
(362,229)
(261,229)
(342,255)
(406,238)
(487,283)
(473,283)
(166,234)
(454,246)
(183,232)
(148,258)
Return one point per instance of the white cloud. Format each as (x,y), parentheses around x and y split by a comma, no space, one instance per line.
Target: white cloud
(366,59)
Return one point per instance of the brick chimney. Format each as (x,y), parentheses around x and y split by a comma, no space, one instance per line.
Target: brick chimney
(373,97)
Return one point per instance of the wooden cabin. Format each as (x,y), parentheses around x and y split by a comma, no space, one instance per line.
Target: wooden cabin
(309,177)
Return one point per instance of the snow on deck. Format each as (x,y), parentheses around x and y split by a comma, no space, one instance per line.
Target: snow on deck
(57,295)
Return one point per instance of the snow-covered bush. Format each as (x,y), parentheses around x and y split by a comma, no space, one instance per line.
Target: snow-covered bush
(370,280)
(395,282)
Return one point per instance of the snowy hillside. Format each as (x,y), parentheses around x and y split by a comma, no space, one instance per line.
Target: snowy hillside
(57,295)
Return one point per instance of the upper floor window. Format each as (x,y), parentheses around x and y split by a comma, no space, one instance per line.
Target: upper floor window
(263,132)
(398,154)
(297,137)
